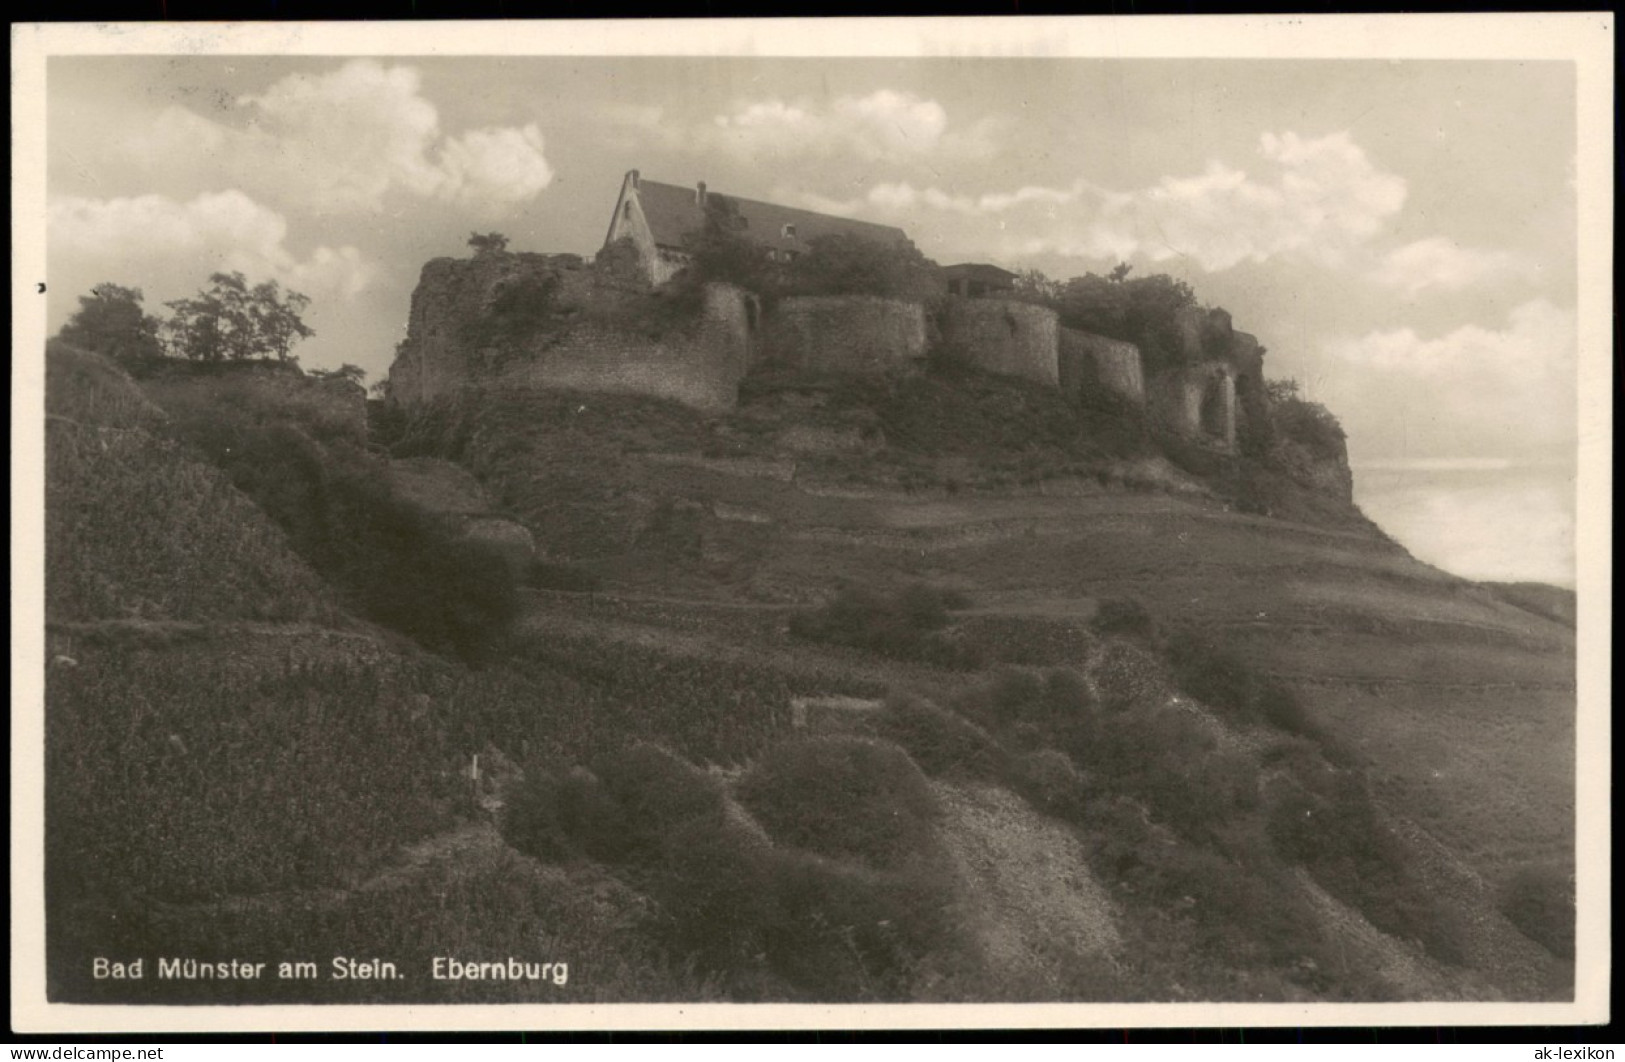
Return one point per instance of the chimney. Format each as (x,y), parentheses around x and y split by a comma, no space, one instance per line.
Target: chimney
(699,195)
(632,178)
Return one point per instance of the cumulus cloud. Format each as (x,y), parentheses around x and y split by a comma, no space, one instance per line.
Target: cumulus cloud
(1442,263)
(882,125)
(1315,199)
(343,140)
(1537,344)
(1473,390)
(495,166)
(900,196)
(173,246)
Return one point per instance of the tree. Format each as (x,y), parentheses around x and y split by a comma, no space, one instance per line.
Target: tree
(1139,310)
(1308,423)
(346,371)
(844,264)
(231,321)
(719,251)
(1032,285)
(111,322)
(487,242)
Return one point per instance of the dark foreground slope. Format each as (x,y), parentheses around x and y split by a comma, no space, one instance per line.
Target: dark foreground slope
(1017,784)
(704,538)
(238,767)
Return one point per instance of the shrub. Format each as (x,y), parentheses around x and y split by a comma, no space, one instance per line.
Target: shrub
(560,814)
(1012,695)
(553,575)
(1309,424)
(1539,900)
(849,932)
(533,822)
(941,741)
(852,265)
(520,309)
(716,892)
(1222,679)
(843,797)
(1051,781)
(907,624)
(395,563)
(1067,699)
(1328,822)
(1125,617)
(656,791)
(1212,674)
(89,389)
(1126,675)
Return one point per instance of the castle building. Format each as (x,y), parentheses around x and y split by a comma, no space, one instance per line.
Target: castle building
(661,220)
(976,279)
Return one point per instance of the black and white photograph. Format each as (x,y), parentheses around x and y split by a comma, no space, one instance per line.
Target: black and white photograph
(518,520)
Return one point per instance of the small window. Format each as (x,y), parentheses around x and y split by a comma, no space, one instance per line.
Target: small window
(626,210)
(789,232)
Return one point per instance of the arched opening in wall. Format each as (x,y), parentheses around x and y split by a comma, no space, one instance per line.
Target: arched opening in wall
(1216,406)
(752,313)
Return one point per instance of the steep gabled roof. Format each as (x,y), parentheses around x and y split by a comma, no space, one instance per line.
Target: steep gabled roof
(674,211)
(982,271)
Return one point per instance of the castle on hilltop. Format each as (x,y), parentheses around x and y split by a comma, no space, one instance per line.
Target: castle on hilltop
(559,321)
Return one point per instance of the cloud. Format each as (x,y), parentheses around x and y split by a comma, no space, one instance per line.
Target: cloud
(885,125)
(344,140)
(1537,344)
(1438,262)
(157,239)
(1474,390)
(900,196)
(1316,199)
(495,166)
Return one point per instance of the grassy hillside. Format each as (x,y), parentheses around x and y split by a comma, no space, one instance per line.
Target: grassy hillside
(911,690)
(1455,707)
(234,761)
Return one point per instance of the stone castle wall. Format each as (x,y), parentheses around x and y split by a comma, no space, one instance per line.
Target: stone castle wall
(596,332)
(1005,337)
(1095,369)
(845,333)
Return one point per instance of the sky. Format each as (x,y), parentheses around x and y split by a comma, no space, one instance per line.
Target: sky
(1400,235)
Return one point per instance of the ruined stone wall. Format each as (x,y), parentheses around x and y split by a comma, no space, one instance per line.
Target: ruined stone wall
(1003,336)
(698,366)
(845,333)
(1197,402)
(1095,369)
(595,332)
(437,356)
(1246,356)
